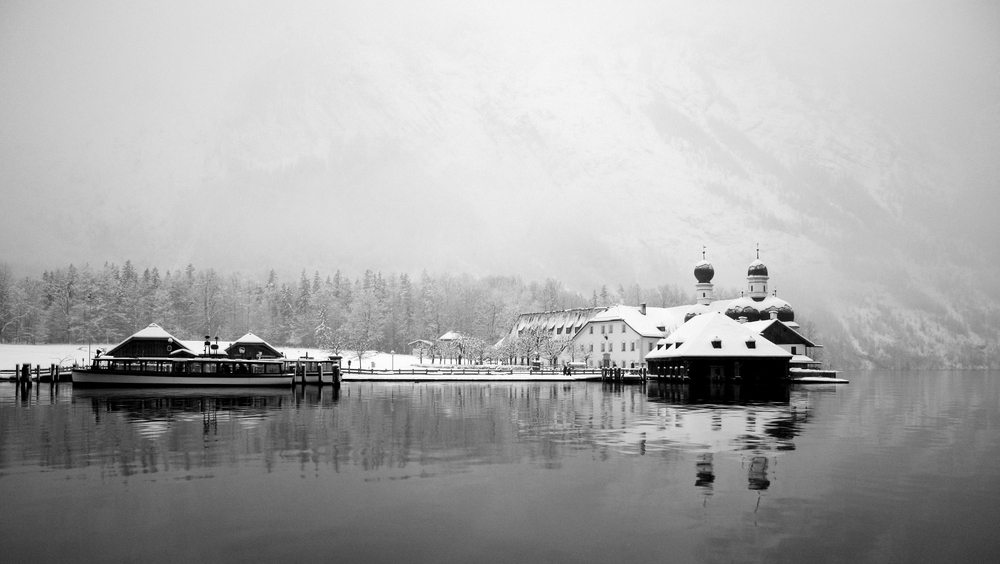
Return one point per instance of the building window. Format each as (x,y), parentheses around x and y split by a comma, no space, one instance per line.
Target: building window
(623,327)
(611,329)
(602,347)
(716,344)
(623,346)
(591,329)
(751,344)
(591,347)
(793,351)
(602,329)
(651,346)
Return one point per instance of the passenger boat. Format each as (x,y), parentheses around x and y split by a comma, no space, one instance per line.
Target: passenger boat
(310,370)
(207,370)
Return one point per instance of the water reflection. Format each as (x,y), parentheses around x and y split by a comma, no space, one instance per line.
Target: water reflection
(705,472)
(726,417)
(573,472)
(405,429)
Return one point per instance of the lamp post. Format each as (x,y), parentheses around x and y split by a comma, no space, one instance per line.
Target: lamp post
(392,360)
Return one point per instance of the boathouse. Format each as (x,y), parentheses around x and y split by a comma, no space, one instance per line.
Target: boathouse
(153,341)
(714,346)
(250,347)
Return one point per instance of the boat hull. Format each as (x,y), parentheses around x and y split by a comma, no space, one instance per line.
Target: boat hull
(86,377)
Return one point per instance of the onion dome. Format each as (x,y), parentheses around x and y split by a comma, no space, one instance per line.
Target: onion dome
(757,268)
(773,303)
(704,272)
(744,307)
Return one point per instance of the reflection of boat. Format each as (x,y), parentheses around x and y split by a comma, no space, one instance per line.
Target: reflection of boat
(815,376)
(156,409)
(309,370)
(209,370)
(236,393)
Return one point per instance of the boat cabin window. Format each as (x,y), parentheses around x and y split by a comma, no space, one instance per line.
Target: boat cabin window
(195,367)
(272,368)
(257,368)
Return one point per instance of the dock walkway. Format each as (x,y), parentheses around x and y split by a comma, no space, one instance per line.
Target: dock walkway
(463,375)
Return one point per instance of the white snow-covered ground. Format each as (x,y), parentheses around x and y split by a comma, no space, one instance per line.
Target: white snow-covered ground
(65,355)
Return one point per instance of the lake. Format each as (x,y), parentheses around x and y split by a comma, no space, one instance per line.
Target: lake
(894,467)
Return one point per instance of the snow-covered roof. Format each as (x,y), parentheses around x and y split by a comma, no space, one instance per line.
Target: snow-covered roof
(670,318)
(694,339)
(762,325)
(250,338)
(450,336)
(646,325)
(768,302)
(550,320)
(152,332)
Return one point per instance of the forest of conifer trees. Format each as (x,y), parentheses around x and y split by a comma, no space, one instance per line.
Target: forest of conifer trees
(376,311)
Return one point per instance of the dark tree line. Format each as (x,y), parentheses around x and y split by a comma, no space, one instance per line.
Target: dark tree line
(375,311)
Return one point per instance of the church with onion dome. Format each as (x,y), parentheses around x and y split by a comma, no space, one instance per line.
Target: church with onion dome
(637,336)
(756,304)
(754,335)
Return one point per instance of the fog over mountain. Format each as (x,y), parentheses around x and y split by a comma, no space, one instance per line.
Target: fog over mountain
(593,142)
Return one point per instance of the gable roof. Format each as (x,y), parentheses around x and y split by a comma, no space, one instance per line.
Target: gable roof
(773,326)
(152,332)
(694,339)
(549,320)
(647,325)
(251,339)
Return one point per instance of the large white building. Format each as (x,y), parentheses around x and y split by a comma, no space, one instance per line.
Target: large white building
(623,335)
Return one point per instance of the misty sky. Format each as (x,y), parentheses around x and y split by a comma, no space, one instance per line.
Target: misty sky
(589,141)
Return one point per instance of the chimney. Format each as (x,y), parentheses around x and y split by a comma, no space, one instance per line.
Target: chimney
(774,314)
(742,319)
(642,308)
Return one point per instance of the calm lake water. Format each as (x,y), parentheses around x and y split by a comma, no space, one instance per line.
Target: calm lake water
(894,467)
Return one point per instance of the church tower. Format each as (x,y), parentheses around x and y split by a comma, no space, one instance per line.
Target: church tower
(703,272)
(757,279)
